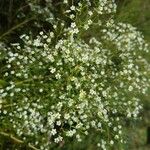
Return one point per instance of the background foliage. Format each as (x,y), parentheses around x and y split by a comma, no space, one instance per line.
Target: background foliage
(137,12)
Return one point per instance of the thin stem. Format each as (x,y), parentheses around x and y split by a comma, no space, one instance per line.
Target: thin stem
(15,27)
(12,137)
(17,140)
(10,12)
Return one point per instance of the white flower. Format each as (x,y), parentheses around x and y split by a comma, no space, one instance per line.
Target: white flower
(111,142)
(58,123)
(72,16)
(48,40)
(40,90)
(72,7)
(52,70)
(130,88)
(11,94)
(90,13)
(58,76)
(86,26)
(66,116)
(65,1)
(53,132)
(73,25)
(98,144)
(99,125)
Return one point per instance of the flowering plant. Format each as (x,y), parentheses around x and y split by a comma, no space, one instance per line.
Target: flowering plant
(85,74)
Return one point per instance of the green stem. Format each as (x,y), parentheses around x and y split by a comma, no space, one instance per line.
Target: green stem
(17,140)
(15,27)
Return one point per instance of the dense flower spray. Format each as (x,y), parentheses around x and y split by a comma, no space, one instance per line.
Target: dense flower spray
(63,84)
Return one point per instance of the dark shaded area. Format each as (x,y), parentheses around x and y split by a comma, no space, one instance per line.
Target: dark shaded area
(148,135)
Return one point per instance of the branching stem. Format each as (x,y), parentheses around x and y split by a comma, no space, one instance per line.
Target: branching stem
(17,140)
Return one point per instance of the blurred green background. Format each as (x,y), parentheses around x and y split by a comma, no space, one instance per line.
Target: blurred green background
(137,13)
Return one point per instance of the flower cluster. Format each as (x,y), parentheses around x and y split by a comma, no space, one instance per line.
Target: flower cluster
(55,88)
